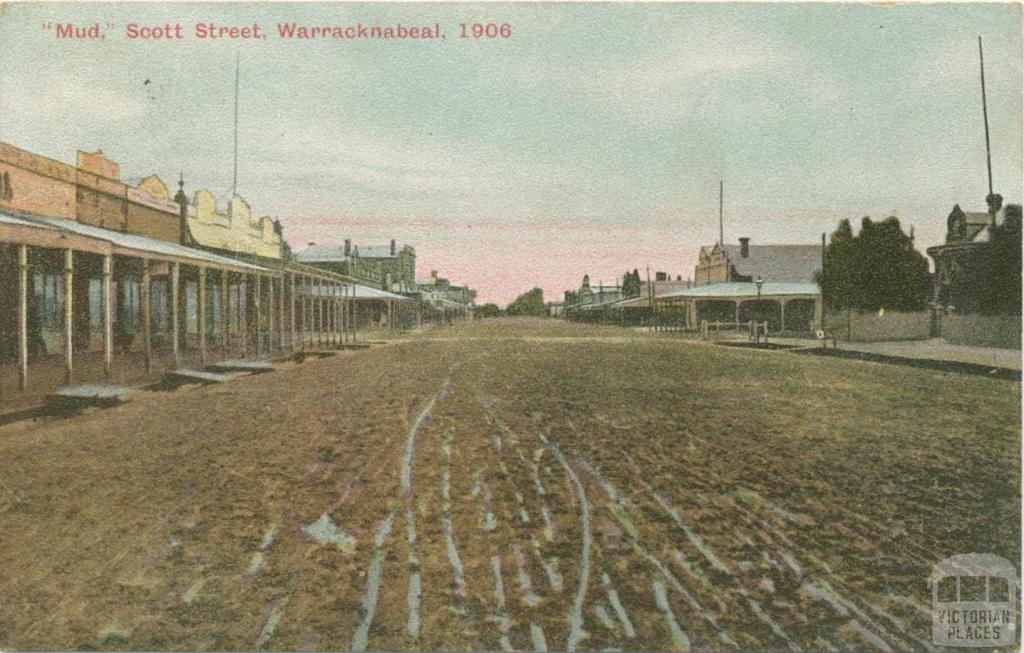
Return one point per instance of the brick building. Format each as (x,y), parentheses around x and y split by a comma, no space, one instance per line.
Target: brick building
(101,280)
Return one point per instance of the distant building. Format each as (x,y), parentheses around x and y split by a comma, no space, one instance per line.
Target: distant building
(448,299)
(601,294)
(966,270)
(745,262)
(555,309)
(439,291)
(345,260)
(395,264)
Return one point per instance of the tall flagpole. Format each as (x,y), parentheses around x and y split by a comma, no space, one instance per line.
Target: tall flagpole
(234,182)
(721,202)
(984,113)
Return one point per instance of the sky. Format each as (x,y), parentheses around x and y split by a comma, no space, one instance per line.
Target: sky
(592,140)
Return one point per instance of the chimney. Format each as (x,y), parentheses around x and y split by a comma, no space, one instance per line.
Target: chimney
(392,246)
(311,243)
(660,276)
(348,247)
(745,247)
(182,201)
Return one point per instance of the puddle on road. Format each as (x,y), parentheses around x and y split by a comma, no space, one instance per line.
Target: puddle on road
(326,531)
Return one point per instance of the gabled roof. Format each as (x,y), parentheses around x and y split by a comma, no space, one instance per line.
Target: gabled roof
(776,263)
(323,254)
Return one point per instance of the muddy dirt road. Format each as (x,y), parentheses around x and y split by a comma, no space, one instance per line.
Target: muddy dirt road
(511,485)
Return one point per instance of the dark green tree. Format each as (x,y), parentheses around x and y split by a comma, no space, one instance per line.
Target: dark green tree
(631,284)
(488,310)
(1000,292)
(877,268)
(529,303)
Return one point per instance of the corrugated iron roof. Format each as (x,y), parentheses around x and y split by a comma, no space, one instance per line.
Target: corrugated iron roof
(777,263)
(142,244)
(744,289)
(323,254)
(361,292)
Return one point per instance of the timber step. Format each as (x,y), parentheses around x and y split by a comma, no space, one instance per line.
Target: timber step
(239,365)
(74,397)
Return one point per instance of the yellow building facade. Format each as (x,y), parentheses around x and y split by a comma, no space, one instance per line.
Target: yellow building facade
(234,230)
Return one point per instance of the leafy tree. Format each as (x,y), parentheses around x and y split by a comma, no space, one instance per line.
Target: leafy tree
(631,284)
(488,310)
(1000,289)
(877,268)
(529,303)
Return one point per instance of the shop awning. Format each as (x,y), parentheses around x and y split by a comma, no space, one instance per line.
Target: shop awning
(62,233)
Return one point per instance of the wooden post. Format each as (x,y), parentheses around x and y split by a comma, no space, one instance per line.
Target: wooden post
(345,325)
(271,316)
(328,322)
(291,310)
(339,321)
(23,317)
(353,334)
(201,315)
(108,324)
(319,314)
(302,309)
(225,309)
(175,318)
(147,341)
(256,307)
(242,289)
(69,315)
(332,313)
(280,312)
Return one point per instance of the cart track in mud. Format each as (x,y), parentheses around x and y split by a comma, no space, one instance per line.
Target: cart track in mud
(527,486)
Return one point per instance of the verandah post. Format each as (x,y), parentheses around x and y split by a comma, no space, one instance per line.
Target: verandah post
(147,342)
(175,318)
(201,315)
(23,317)
(108,326)
(69,326)
(225,309)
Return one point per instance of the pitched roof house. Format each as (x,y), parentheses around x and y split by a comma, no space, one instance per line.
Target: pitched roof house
(745,262)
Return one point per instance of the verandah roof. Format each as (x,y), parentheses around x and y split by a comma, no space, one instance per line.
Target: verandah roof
(43,231)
